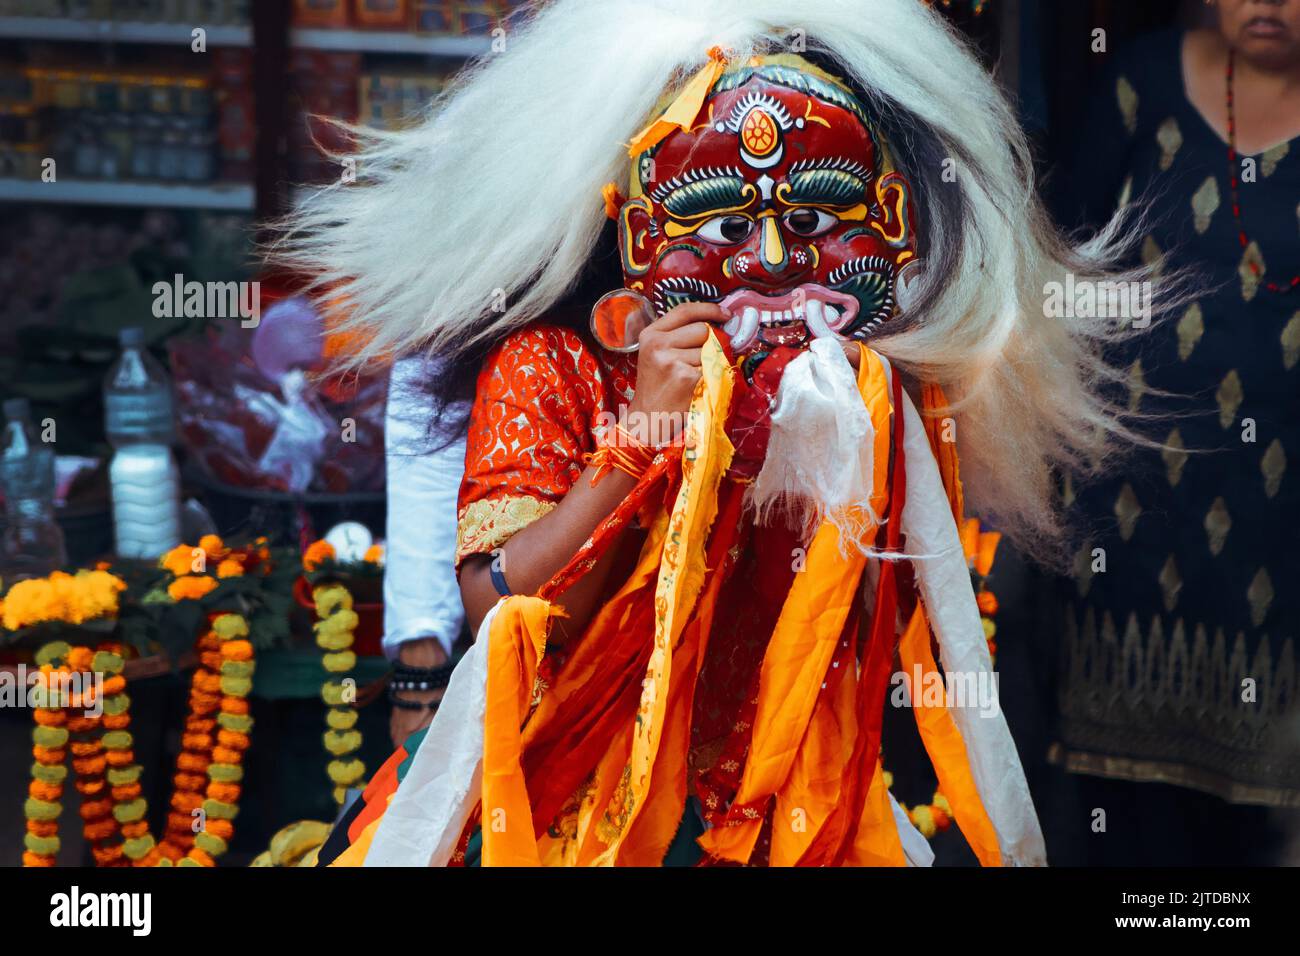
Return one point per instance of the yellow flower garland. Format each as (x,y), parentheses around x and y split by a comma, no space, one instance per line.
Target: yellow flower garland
(336,622)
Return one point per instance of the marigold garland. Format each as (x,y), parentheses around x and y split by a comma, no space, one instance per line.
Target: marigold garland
(73,722)
(224,771)
(336,622)
(49,749)
(209,768)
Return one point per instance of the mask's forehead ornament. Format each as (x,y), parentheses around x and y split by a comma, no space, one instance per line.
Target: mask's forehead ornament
(761,122)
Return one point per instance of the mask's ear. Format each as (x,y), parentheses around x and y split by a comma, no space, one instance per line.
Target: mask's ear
(893,215)
(635,221)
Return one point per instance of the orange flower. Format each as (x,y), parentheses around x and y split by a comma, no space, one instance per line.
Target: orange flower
(225,792)
(132,830)
(94,809)
(234,705)
(196,741)
(35,859)
(107,855)
(80,658)
(199,725)
(202,703)
(237,651)
(185,801)
(44,791)
(90,786)
(207,683)
(225,755)
(230,568)
(50,718)
(191,587)
(213,547)
(232,740)
(194,763)
(50,756)
(102,829)
(220,828)
(114,685)
(126,793)
(179,560)
(190,781)
(374,554)
(90,766)
(179,825)
(988,603)
(317,553)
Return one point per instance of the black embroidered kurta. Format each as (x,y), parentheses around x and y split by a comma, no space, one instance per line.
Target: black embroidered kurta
(1179,660)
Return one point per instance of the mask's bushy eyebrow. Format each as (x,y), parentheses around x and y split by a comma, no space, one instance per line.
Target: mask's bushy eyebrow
(831,182)
(705,196)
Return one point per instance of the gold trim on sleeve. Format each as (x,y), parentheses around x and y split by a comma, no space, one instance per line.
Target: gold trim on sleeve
(488,523)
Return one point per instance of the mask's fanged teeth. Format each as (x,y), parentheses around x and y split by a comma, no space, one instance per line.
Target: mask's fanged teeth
(815,319)
(746,328)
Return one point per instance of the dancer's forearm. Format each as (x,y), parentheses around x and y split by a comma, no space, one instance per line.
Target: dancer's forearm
(533,555)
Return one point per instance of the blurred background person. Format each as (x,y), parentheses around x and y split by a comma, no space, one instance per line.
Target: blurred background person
(1178,656)
(423,617)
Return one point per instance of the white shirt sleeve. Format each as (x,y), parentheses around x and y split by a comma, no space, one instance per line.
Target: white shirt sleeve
(421,594)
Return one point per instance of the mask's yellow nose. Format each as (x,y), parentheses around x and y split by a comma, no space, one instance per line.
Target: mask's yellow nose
(772,249)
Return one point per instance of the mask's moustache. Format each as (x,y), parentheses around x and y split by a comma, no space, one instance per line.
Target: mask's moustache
(820,455)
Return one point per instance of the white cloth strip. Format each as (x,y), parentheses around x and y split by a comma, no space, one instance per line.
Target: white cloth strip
(916,847)
(425,818)
(945,586)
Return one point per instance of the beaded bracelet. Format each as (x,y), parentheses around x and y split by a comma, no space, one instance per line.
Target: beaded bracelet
(406,677)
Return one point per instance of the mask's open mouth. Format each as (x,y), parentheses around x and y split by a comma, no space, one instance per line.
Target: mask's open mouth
(787,319)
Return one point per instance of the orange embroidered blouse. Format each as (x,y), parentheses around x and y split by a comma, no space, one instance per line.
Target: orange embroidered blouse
(539,398)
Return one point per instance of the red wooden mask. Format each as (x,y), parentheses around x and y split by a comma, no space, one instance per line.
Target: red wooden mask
(779,205)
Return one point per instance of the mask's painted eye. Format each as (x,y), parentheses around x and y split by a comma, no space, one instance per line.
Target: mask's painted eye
(809,222)
(726,230)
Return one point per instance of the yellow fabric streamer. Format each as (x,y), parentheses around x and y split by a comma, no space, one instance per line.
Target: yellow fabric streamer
(682,111)
(681,575)
(877,842)
(944,745)
(517,642)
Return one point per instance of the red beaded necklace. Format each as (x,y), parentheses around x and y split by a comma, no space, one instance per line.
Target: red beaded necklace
(1232,178)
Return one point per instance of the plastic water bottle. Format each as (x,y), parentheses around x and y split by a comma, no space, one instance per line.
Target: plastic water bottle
(143,475)
(33,541)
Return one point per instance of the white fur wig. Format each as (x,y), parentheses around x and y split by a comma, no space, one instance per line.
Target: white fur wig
(481,218)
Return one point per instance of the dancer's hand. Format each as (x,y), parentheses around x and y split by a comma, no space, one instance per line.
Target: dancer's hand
(668,361)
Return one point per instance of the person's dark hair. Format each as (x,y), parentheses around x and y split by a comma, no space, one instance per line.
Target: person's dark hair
(451,389)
